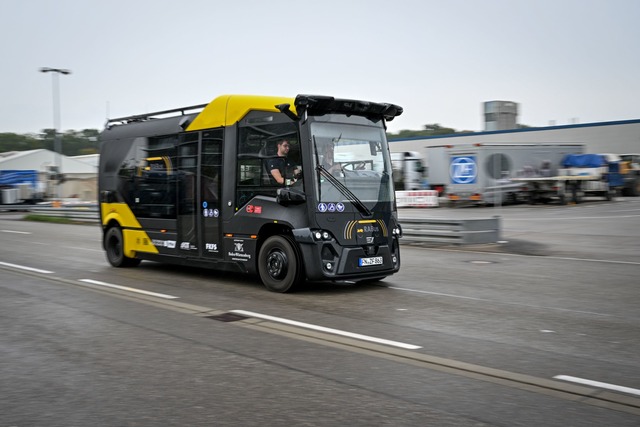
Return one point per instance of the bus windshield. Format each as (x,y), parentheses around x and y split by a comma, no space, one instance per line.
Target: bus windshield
(357,157)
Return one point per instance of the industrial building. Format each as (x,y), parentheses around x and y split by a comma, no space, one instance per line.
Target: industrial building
(55,175)
(618,137)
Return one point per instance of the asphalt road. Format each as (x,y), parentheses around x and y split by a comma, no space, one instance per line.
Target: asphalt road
(504,334)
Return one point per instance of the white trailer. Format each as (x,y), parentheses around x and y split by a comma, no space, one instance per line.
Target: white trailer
(484,173)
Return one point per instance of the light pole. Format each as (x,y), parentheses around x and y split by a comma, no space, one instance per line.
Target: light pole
(57,140)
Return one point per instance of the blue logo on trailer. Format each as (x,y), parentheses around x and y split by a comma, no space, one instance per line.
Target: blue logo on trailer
(463,170)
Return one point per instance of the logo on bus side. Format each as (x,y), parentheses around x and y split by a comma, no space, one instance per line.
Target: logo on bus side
(463,170)
(238,253)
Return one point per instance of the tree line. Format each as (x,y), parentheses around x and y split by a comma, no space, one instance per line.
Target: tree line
(428,130)
(74,143)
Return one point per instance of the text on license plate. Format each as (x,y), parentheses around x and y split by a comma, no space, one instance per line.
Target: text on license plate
(374,260)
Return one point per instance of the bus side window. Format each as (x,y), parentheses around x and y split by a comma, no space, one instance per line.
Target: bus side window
(256,146)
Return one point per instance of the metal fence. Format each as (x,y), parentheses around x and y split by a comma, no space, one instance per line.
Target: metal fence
(80,212)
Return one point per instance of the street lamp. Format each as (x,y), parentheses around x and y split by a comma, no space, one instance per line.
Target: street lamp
(57,140)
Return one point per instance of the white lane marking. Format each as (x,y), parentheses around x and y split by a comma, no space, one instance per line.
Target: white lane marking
(124,288)
(327,330)
(83,249)
(571,218)
(608,386)
(542,257)
(606,261)
(24,267)
(15,232)
(496,301)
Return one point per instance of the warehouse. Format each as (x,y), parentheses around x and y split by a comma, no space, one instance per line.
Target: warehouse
(57,176)
(617,137)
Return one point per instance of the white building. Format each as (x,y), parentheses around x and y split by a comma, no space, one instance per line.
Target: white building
(80,174)
(619,137)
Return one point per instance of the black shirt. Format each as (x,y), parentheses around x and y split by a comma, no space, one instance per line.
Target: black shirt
(283,165)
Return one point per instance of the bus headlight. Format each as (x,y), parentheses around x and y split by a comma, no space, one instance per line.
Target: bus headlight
(321,235)
(397,231)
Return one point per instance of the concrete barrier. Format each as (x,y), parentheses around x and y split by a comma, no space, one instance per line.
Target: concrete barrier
(417,199)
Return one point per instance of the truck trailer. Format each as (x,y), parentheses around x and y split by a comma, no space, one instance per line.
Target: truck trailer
(601,175)
(483,173)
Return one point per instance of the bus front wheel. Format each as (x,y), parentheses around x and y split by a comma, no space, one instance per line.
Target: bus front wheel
(279,264)
(114,245)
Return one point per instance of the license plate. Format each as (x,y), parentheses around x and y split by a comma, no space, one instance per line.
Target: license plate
(374,260)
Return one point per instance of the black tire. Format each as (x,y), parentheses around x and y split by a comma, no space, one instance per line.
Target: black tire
(634,189)
(576,195)
(279,264)
(114,246)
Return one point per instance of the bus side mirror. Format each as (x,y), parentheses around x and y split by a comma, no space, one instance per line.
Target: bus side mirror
(287,196)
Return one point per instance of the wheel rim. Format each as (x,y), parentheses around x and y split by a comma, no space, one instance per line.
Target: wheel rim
(277,264)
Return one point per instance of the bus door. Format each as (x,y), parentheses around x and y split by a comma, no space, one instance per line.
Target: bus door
(199,171)
(187,194)
(210,194)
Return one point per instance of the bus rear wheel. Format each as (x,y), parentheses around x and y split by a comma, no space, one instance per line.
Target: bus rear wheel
(114,246)
(279,264)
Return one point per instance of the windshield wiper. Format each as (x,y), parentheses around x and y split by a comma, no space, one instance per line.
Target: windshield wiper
(344,190)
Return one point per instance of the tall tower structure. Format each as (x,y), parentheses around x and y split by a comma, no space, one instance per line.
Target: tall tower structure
(500,115)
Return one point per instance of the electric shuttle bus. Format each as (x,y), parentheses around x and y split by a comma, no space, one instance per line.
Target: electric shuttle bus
(196,186)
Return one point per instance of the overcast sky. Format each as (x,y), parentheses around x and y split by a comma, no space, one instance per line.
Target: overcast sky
(562,60)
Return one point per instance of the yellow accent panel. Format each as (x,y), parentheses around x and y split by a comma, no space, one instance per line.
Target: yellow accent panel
(137,241)
(134,240)
(226,110)
(119,212)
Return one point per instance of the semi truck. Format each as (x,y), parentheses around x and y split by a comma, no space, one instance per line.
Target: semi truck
(580,175)
(483,173)
(408,171)
(631,174)
(19,186)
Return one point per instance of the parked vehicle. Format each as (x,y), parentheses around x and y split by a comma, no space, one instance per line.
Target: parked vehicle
(630,170)
(19,186)
(601,175)
(408,171)
(484,173)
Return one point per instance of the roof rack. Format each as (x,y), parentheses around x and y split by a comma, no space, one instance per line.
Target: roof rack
(149,116)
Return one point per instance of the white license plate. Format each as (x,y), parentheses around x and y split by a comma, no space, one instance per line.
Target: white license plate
(374,260)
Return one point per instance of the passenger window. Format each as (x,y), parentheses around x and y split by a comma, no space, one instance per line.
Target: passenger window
(257,146)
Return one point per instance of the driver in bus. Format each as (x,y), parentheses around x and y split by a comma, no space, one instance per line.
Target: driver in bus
(327,159)
(280,167)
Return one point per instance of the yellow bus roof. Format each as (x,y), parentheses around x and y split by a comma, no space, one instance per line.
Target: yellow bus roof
(226,110)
